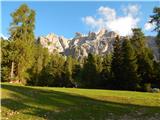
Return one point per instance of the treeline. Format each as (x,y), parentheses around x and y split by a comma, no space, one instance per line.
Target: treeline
(131,66)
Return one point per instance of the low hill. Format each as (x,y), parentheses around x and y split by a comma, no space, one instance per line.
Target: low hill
(49,103)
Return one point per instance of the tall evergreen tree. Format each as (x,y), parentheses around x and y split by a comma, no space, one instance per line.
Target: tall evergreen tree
(5,59)
(42,58)
(53,73)
(92,68)
(76,74)
(155,19)
(129,66)
(68,72)
(144,56)
(106,75)
(22,35)
(116,65)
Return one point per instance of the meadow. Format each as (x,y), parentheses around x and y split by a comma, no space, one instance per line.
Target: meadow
(53,103)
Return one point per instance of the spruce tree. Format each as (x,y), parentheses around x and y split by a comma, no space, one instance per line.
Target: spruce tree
(106,72)
(144,57)
(116,65)
(129,66)
(53,74)
(42,58)
(68,72)
(92,68)
(155,19)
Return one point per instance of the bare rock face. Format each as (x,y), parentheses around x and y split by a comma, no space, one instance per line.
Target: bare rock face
(54,43)
(98,43)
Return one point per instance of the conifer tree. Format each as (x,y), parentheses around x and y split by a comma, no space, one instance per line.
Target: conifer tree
(106,75)
(129,66)
(155,19)
(5,59)
(42,58)
(144,56)
(91,71)
(116,65)
(22,35)
(68,72)
(53,74)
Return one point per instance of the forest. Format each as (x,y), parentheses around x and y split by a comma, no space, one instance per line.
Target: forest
(131,66)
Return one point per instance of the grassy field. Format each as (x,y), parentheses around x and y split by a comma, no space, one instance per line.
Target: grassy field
(38,103)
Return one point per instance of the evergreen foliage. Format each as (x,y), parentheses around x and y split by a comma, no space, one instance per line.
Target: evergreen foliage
(116,65)
(144,57)
(131,65)
(22,37)
(90,76)
(130,78)
(155,19)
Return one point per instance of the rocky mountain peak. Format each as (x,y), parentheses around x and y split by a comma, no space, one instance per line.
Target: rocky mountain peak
(97,43)
(102,32)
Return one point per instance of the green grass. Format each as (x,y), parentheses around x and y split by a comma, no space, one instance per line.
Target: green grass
(38,103)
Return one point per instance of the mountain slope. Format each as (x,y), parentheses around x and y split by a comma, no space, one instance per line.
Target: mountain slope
(79,47)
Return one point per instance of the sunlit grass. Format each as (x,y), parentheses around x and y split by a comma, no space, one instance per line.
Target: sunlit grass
(36,103)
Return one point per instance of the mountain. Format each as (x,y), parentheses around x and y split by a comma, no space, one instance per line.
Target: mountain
(79,47)
(54,43)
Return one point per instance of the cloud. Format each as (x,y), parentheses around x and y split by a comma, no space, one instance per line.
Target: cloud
(131,10)
(4,37)
(108,19)
(93,23)
(107,13)
(148,26)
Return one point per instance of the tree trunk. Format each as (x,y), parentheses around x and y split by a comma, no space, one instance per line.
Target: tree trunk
(12,71)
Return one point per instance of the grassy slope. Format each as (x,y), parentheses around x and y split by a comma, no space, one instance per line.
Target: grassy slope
(38,103)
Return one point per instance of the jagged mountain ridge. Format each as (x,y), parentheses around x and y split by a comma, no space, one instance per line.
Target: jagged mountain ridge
(79,47)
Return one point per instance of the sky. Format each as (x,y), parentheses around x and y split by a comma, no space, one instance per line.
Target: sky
(66,18)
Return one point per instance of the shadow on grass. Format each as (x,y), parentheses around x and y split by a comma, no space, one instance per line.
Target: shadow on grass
(55,105)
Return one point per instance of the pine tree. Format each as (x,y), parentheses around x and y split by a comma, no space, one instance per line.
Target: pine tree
(22,35)
(5,60)
(68,72)
(53,74)
(42,58)
(106,72)
(144,56)
(76,74)
(155,19)
(129,66)
(116,65)
(92,68)
(156,82)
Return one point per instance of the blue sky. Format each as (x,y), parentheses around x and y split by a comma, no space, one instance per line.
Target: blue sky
(66,18)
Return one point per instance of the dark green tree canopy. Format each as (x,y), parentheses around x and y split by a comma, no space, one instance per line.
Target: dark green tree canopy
(155,19)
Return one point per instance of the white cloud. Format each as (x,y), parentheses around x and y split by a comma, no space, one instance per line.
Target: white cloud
(93,23)
(109,20)
(148,26)
(131,10)
(107,13)
(4,37)
(123,25)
